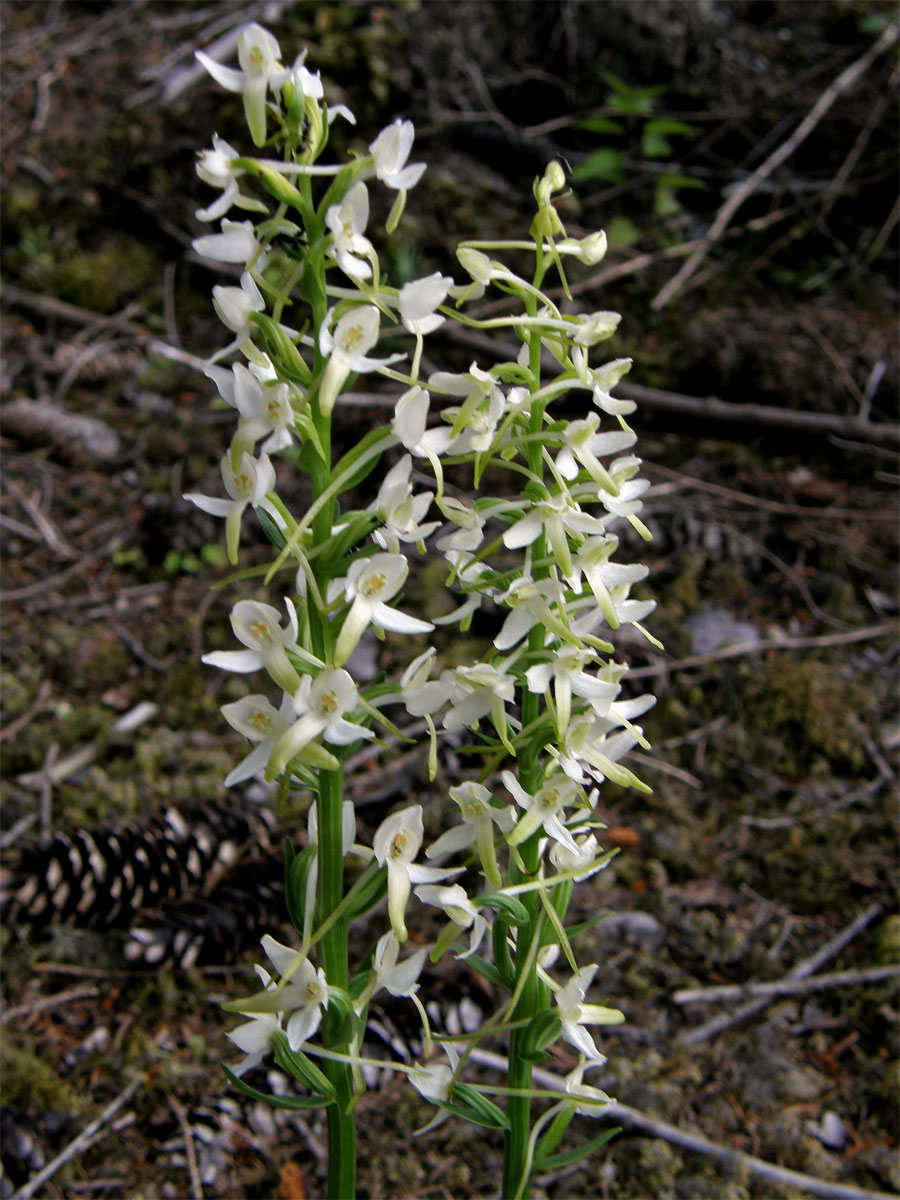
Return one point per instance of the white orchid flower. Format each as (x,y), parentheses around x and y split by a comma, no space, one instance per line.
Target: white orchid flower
(418,301)
(531,602)
(319,704)
(481,270)
(354,334)
(263,402)
(400,510)
(421,695)
(581,862)
(586,446)
(370,583)
(610,582)
(398,978)
(306,993)
(589,250)
(235,244)
(434,1081)
(588,1101)
(396,844)
(556,517)
(601,380)
(246,485)
(475,421)
(476,691)
(259,57)
(410,427)
(346,222)
(390,151)
(254,1038)
(216,167)
(595,327)
(543,809)
(258,720)
(575,1013)
(565,671)
(258,627)
(478,820)
(589,751)
(469,531)
(235,307)
(626,502)
(459,908)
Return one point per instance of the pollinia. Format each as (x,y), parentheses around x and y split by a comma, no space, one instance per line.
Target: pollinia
(542,713)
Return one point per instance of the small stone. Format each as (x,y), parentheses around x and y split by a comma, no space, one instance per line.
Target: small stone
(712,628)
(830,1131)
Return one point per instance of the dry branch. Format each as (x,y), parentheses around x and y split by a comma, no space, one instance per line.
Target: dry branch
(787,987)
(711,408)
(787,643)
(87,1137)
(802,970)
(843,83)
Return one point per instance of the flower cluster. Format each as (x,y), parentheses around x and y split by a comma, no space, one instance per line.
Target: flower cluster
(543,708)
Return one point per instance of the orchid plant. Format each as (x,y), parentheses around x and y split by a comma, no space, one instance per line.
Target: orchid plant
(542,711)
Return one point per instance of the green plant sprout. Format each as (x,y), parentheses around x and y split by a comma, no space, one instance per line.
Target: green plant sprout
(543,711)
(638,127)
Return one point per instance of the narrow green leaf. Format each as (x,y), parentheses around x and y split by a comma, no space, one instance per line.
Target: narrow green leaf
(487,970)
(605,125)
(303,1069)
(579,1153)
(270,529)
(359,450)
(553,1135)
(296,873)
(370,893)
(605,164)
(541,1031)
(510,909)
(294,1103)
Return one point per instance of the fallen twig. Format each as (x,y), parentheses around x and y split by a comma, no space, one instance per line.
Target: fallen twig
(786,987)
(57,1001)
(86,1138)
(775,506)
(189,1148)
(711,408)
(843,83)
(739,649)
(802,970)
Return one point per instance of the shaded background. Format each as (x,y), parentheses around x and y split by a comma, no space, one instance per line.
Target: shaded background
(772,822)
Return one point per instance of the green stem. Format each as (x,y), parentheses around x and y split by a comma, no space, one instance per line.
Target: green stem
(330,887)
(333,957)
(533,996)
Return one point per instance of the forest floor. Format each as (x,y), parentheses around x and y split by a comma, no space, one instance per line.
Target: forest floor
(767,851)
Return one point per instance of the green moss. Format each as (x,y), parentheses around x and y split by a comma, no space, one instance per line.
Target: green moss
(29,1081)
(804,710)
(100,280)
(889,941)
